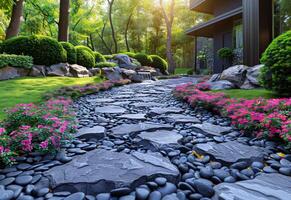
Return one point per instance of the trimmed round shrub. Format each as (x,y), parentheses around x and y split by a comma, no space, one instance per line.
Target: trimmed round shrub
(144,59)
(43,49)
(71,52)
(108,57)
(225,53)
(84,58)
(159,63)
(276,73)
(99,57)
(105,65)
(85,48)
(130,54)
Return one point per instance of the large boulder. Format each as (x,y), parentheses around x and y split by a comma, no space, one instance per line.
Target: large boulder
(124,61)
(12,72)
(79,71)
(214,77)
(38,71)
(253,74)
(221,85)
(61,69)
(236,74)
(95,71)
(151,70)
(248,85)
(113,74)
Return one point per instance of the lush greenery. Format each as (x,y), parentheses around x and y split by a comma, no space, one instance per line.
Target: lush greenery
(31,90)
(15,61)
(159,63)
(259,117)
(249,94)
(99,57)
(276,74)
(105,64)
(43,49)
(225,53)
(183,70)
(85,58)
(144,59)
(71,52)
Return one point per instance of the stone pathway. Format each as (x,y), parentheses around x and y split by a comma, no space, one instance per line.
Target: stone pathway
(139,142)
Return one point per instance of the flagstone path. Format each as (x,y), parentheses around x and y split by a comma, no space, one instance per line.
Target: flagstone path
(139,142)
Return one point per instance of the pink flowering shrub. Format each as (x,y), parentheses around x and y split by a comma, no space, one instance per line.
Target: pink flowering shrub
(260,117)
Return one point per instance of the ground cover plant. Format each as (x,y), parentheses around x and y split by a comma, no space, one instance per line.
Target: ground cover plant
(258,117)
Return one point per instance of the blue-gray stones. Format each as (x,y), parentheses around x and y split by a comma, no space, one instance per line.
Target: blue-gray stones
(23,180)
(76,196)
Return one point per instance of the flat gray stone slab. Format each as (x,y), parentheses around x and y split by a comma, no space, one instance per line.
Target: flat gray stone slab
(121,103)
(144,99)
(100,100)
(180,118)
(158,139)
(96,132)
(263,187)
(110,110)
(133,116)
(231,152)
(148,104)
(165,110)
(137,128)
(211,129)
(101,171)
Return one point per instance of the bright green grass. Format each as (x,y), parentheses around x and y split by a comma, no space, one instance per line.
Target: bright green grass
(249,94)
(182,70)
(27,90)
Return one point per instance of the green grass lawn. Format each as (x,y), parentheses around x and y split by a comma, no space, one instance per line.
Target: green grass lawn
(27,90)
(182,70)
(249,94)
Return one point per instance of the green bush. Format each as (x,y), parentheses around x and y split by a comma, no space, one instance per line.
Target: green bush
(276,73)
(105,65)
(130,54)
(84,58)
(108,57)
(159,63)
(225,53)
(43,49)
(15,61)
(71,52)
(85,48)
(144,59)
(99,57)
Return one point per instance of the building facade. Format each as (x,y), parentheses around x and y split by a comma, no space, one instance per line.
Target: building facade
(245,26)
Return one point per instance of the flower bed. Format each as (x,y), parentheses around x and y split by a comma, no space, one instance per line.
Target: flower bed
(42,128)
(270,118)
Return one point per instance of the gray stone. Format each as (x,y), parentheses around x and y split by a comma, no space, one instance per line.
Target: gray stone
(133,116)
(166,110)
(214,77)
(264,186)
(38,71)
(211,129)
(9,73)
(76,196)
(253,74)
(79,71)
(180,118)
(221,85)
(148,104)
(124,61)
(95,71)
(231,152)
(110,110)
(100,171)
(247,85)
(236,74)
(23,180)
(137,128)
(96,132)
(112,74)
(61,69)
(100,100)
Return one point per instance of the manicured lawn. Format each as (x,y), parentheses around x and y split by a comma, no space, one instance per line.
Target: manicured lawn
(27,90)
(182,70)
(249,94)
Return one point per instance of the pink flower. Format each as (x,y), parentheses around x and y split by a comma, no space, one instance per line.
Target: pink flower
(44,144)
(26,145)
(2,130)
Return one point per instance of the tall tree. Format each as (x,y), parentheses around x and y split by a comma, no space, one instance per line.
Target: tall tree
(15,21)
(110,4)
(169,19)
(64,20)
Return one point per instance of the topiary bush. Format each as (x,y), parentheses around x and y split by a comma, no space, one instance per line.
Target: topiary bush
(276,73)
(85,48)
(71,52)
(84,58)
(144,59)
(99,57)
(159,63)
(225,53)
(130,54)
(108,57)
(43,49)
(16,61)
(105,65)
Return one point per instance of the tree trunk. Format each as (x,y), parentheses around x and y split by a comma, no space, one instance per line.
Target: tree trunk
(169,23)
(110,2)
(126,31)
(64,20)
(15,21)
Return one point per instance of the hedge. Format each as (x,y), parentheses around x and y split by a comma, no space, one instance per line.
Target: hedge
(99,57)
(105,64)
(71,52)
(84,58)
(15,61)
(159,63)
(144,59)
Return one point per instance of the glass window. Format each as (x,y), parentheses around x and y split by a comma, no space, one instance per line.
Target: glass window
(282,16)
(238,36)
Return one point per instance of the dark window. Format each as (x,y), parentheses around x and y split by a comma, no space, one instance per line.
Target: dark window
(282,16)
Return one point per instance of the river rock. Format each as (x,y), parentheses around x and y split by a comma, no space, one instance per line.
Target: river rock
(110,110)
(211,129)
(96,132)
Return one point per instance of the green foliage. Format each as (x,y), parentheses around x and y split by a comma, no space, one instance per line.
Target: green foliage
(108,57)
(160,63)
(85,58)
(225,53)
(99,57)
(276,73)
(85,48)
(105,65)
(130,54)
(15,61)
(144,59)
(190,72)
(43,49)
(71,52)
